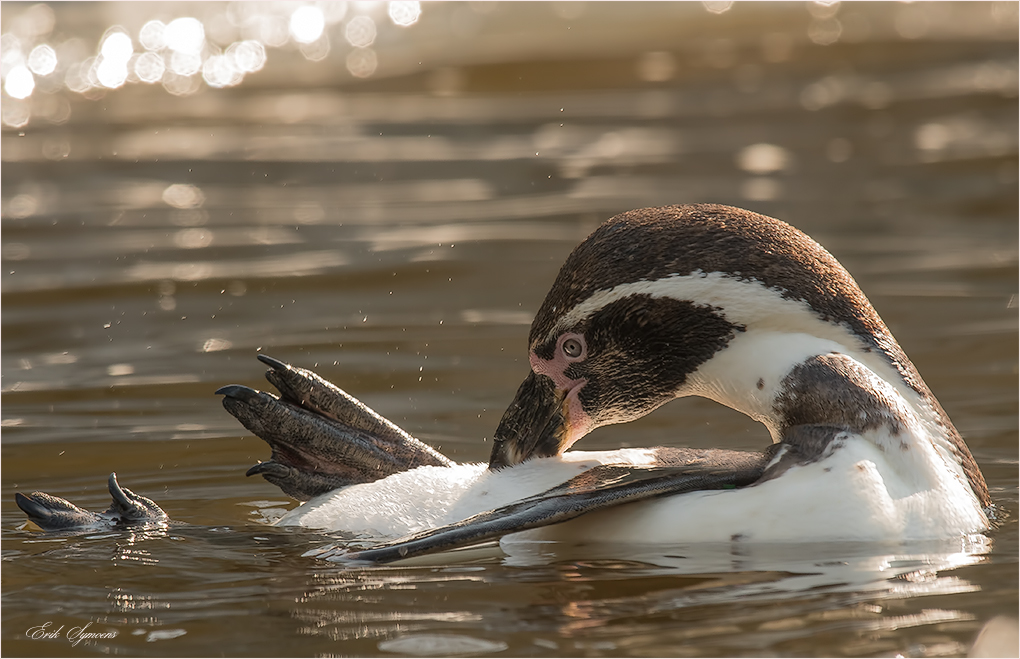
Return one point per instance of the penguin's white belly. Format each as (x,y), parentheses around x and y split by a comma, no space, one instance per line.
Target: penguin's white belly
(853,493)
(427,497)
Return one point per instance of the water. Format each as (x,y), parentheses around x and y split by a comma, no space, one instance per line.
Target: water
(398,233)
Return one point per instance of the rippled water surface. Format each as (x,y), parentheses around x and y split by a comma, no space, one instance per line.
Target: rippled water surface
(398,232)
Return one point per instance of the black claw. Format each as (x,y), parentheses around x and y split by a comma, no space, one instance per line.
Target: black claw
(131,508)
(269,468)
(27,505)
(238,391)
(321,437)
(120,497)
(273,362)
(48,511)
(52,513)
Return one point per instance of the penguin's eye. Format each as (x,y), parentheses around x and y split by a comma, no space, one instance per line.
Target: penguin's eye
(572,348)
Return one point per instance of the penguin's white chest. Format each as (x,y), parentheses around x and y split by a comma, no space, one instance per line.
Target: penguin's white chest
(428,497)
(854,494)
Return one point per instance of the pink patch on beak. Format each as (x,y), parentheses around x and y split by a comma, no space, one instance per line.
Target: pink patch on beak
(579,423)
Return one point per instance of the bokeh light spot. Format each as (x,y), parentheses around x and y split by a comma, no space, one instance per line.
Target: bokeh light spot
(117,47)
(185,35)
(220,71)
(20,82)
(185,64)
(42,60)
(316,51)
(22,206)
(932,137)
(360,33)
(827,91)
(179,85)
(825,32)
(273,31)
(333,12)
(215,345)
(15,113)
(718,6)
(763,158)
(249,56)
(10,52)
(149,67)
(193,238)
(151,35)
(90,71)
(306,24)
(111,73)
(822,9)
(362,62)
(76,78)
(404,13)
(183,195)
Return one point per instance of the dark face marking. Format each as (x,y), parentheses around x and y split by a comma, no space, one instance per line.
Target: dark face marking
(639,352)
(631,356)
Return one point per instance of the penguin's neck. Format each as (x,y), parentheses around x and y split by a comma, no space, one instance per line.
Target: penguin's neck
(761,373)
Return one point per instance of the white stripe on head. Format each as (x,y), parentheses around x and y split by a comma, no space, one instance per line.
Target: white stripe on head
(748,303)
(741,302)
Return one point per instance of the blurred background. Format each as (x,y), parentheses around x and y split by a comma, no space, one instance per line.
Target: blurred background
(384,192)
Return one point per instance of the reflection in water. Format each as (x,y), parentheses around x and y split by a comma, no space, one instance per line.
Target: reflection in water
(597,601)
(441,645)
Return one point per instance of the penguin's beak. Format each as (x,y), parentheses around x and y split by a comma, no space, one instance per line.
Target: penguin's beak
(536,425)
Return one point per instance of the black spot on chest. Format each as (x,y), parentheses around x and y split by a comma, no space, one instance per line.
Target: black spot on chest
(837,391)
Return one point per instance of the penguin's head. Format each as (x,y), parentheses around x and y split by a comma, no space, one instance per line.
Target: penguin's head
(644,308)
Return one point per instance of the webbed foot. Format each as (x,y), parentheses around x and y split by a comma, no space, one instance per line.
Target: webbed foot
(52,513)
(321,437)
